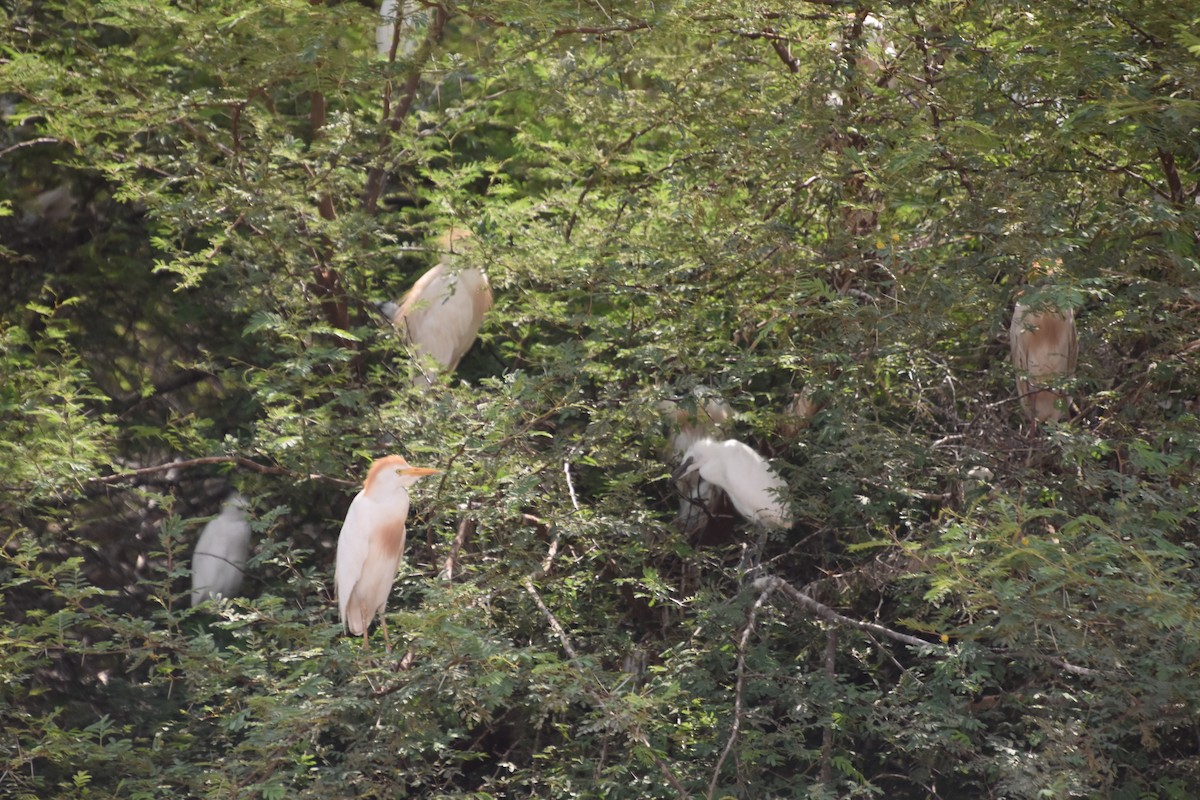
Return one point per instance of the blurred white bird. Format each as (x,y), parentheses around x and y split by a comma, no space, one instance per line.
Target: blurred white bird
(699,499)
(441,314)
(371,543)
(755,490)
(1044,350)
(219,561)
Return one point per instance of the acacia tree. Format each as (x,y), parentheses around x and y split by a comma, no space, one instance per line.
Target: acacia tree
(207,200)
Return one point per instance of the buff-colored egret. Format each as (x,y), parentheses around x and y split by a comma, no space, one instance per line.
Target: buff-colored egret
(371,543)
(699,499)
(1044,350)
(799,413)
(219,561)
(440,316)
(756,490)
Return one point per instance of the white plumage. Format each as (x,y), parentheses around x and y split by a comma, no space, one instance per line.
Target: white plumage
(1044,349)
(699,498)
(755,490)
(371,543)
(219,561)
(440,316)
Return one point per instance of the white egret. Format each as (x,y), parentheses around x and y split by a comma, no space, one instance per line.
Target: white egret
(219,561)
(756,490)
(371,543)
(699,499)
(1044,350)
(442,312)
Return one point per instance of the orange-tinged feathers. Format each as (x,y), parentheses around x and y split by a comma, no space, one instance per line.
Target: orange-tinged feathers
(371,542)
(441,314)
(1044,348)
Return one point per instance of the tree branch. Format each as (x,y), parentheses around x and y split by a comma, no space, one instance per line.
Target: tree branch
(829,615)
(377,176)
(241,461)
(466,527)
(739,686)
(1173,183)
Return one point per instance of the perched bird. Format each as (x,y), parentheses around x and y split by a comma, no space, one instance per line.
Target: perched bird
(442,312)
(799,413)
(1043,350)
(371,543)
(699,499)
(219,561)
(755,490)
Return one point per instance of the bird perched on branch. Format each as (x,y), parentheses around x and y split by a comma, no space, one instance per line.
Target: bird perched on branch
(1044,349)
(441,314)
(699,499)
(799,412)
(756,490)
(219,561)
(371,543)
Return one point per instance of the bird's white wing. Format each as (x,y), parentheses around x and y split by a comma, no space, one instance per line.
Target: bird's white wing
(352,547)
(219,561)
(444,312)
(373,534)
(755,490)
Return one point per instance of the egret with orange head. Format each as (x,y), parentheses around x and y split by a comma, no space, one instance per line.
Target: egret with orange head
(371,543)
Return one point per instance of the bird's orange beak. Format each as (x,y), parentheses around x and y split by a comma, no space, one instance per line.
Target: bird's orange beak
(418,471)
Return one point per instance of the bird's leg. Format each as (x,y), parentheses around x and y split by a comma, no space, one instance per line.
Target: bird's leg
(752,557)
(365,634)
(387,642)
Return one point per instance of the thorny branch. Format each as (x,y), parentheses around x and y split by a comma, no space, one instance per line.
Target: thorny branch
(829,615)
(241,461)
(739,685)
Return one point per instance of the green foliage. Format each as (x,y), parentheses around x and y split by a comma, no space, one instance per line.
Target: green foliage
(202,204)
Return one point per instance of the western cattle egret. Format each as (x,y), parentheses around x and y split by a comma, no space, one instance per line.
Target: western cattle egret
(219,562)
(699,498)
(1043,350)
(442,312)
(799,413)
(372,541)
(755,490)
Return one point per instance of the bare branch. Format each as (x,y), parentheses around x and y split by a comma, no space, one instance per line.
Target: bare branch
(29,143)
(465,528)
(378,175)
(555,626)
(831,641)
(739,685)
(570,485)
(829,615)
(241,461)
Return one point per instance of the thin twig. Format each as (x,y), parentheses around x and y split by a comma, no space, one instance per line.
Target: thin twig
(827,734)
(377,176)
(29,143)
(465,528)
(739,685)
(828,614)
(240,461)
(570,485)
(555,626)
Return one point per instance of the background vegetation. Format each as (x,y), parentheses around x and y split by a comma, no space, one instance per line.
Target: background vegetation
(204,201)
